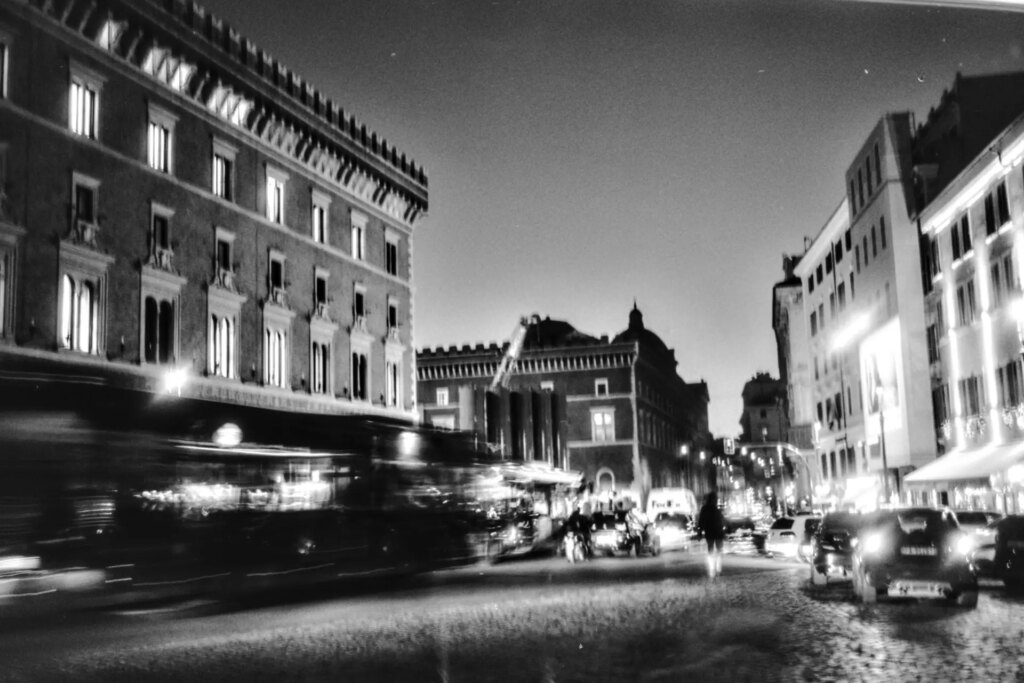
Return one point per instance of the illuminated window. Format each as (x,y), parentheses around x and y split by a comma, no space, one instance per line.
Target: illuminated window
(222,345)
(319,212)
(602,424)
(276,181)
(275,356)
(442,396)
(966,307)
(84,101)
(358,236)
(223,184)
(391,388)
(79,314)
(5,56)
(320,370)
(159,139)
(360,375)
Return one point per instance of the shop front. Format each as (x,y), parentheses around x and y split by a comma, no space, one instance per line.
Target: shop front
(986,478)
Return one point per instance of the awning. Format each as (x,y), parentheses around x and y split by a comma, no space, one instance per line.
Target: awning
(969,464)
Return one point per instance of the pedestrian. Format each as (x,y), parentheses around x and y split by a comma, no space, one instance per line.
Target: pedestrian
(711,524)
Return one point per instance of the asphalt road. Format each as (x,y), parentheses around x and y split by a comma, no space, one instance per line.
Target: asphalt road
(646,619)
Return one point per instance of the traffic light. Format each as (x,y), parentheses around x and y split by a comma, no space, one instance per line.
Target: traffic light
(730,446)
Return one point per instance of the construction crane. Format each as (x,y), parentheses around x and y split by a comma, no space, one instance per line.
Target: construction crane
(515,346)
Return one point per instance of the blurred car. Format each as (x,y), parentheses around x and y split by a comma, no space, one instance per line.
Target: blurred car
(983,552)
(914,553)
(787,534)
(1008,551)
(619,532)
(831,556)
(976,523)
(673,531)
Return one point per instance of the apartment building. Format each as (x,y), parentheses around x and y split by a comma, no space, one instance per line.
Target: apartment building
(177,205)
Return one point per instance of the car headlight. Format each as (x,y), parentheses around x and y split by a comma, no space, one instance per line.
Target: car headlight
(873,543)
(964,545)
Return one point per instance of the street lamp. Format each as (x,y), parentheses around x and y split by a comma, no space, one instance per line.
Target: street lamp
(880,394)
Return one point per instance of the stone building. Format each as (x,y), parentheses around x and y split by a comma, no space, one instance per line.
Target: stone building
(614,410)
(173,198)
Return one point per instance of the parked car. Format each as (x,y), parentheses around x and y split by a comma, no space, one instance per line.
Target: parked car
(914,553)
(1008,551)
(620,532)
(673,531)
(983,552)
(786,535)
(832,547)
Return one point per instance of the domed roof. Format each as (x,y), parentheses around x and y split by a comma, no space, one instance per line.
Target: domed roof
(636,332)
(553,333)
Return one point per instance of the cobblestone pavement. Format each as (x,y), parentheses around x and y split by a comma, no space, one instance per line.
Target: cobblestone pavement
(760,622)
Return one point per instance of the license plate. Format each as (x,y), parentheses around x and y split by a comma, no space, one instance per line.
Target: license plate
(917,589)
(917,550)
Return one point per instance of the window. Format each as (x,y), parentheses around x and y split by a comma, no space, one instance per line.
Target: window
(391,254)
(970,396)
(8,259)
(865,250)
(158,332)
(878,167)
(933,343)
(860,187)
(853,197)
(359,307)
(933,252)
(839,252)
(940,317)
(5,56)
(1011,390)
(393,328)
(224,267)
(320,204)
(320,296)
(821,316)
(867,173)
(828,263)
(275,277)
(810,284)
(224,304)
(601,387)
(360,375)
(223,170)
(159,139)
(818,273)
(1004,279)
(856,254)
(996,202)
(832,305)
(602,424)
(940,403)
(849,240)
(320,368)
(547,385)
(965,235)
(276,181)
(954,241)
(881,231)
(853,293)
(874,243)
(160,249)
(841,291)
(84,101)
(442,396)
(814,323)
(965,303)
(79,313)
(358,236)
(817,371)
(391,386)
(275,356)
(222,345)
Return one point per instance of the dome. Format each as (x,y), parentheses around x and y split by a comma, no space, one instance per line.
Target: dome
(636,332)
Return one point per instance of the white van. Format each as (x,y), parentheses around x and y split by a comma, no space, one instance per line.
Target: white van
(673,501)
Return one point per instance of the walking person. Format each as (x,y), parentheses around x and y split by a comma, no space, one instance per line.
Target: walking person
(711,524)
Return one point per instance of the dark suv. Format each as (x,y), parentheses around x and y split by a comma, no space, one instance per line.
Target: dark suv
(832,547)
(914,553)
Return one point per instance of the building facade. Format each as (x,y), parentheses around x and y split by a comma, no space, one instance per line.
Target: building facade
(177,203)
(975,328)
(864,292)
(614,410)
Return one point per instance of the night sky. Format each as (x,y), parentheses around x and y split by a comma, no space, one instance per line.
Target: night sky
(586,153)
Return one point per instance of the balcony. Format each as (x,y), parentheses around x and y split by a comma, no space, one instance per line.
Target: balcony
(84,233)
(320,311)
(394,334)
(279,296)
(359,323)
(225,279)
(162,258)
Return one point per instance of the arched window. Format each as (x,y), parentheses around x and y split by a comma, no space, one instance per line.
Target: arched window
(67,297)
(165,336)
(605,480)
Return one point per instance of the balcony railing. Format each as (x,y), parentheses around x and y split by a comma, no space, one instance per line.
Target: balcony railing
(85,233)
(279,296)
(359,323)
